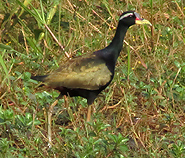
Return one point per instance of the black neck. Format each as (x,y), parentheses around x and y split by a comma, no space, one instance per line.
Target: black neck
(117,43)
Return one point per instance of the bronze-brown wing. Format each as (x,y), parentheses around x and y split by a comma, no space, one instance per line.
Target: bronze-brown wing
(89,73)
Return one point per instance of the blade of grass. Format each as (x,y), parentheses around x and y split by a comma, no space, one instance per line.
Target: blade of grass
(36,15)
(129,61)
(52,12)
(41,21)
(26,2)
(4,69)
(107,6)
(42,12)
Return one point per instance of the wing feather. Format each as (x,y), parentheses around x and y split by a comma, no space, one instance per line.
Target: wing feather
(88,73)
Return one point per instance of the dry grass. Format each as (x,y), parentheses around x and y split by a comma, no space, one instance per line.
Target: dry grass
(144,104)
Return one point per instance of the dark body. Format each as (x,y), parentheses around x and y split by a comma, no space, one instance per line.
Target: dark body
(88,75)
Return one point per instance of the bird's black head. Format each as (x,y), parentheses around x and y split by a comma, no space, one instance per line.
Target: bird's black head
(129,18)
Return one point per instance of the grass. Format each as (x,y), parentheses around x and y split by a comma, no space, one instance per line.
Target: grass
(141,114)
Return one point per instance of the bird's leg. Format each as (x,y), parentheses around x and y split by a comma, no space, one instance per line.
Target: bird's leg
(89,113)
(90,102)
(49,122)
(66,101)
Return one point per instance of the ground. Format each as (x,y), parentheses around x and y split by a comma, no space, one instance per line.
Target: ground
(142,112)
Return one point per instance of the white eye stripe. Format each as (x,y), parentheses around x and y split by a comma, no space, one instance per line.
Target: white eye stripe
(125,15)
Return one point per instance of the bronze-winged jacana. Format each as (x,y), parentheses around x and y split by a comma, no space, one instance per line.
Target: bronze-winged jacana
(88,75)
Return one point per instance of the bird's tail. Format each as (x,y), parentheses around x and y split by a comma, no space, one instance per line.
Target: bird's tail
(39,78)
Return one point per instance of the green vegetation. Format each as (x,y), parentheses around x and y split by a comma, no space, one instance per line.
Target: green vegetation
(142,112)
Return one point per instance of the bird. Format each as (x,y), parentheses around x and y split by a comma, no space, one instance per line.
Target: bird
(87,75)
